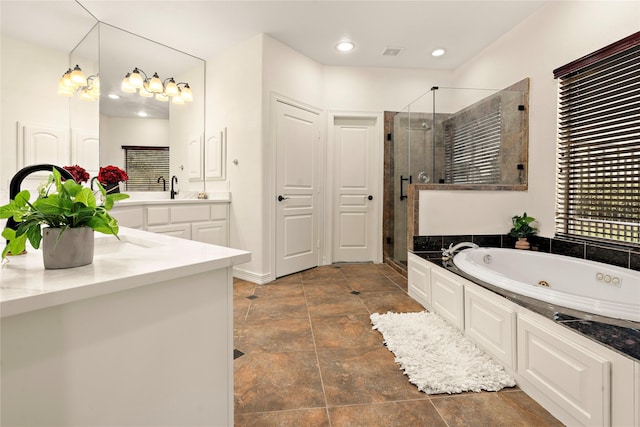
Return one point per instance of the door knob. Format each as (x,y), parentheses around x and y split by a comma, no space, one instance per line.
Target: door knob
(370,197)
(281,198)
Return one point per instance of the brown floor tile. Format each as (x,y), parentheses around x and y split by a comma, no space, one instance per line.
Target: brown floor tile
(363,375)
(277,308)
(344,331)
(391,414)
(267,382)
(312,359)
(240,309)
(274,336)
(331,306)
(368,284)
(529,409)
(320,289)
(242,289)
(279,290)
(489,409)
(396,301)
(324,272)
(299,418)
(291,278)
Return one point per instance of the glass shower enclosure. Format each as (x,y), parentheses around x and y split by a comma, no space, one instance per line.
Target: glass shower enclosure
(450,136)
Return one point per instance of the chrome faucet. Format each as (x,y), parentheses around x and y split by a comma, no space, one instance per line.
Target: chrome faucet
(447,254)
(16,183)
(164,182)
(174,192)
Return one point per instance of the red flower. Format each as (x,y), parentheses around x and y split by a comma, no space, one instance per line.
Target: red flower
(79,174)
(111,175)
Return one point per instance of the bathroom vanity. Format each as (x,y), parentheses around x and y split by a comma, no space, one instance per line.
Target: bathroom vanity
(203,220)
(142,336)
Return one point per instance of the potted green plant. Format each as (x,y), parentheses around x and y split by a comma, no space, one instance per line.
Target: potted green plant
(522,229)
(69,212)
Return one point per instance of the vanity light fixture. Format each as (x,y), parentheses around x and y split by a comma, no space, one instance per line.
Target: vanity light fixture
(438,52)
(73,81)
(345,46)
(138,81)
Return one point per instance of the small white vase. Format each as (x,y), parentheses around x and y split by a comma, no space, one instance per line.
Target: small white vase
(73,248)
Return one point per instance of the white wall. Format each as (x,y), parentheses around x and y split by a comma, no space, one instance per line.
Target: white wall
(36,71)
(558,33)
(234,100)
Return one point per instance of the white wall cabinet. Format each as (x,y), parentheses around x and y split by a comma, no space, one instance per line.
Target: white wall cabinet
(578,380)
(201,221)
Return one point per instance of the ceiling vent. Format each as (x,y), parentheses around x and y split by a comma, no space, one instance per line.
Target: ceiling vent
(391,51)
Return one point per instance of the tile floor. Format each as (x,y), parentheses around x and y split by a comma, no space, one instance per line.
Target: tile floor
(310,358)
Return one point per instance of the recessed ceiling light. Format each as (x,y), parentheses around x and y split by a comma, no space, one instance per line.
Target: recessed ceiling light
(345,46)
(114,96)
(142,114)
(438,52)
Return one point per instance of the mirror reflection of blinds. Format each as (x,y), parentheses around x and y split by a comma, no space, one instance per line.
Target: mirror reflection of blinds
(472,150)
(599,149)
(144,166)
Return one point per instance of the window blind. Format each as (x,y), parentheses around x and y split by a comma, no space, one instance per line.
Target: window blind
(145,165)
(598,155)
(472,150)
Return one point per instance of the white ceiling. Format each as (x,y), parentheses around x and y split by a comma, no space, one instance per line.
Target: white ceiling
(204,28)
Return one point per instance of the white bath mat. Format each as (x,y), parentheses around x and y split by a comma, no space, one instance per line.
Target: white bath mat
(436,356)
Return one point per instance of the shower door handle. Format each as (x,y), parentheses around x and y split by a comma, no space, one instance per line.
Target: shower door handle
(402,180)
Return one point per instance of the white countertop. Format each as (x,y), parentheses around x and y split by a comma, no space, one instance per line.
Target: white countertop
(155,198)
(139,258)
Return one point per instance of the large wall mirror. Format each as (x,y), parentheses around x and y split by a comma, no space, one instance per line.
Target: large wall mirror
(152,139)
(39,126)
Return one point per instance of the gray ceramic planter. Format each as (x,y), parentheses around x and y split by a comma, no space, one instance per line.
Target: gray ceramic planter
(73,249)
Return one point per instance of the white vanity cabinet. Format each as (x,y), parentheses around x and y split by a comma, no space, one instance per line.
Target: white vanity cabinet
(578,380)
(203,221)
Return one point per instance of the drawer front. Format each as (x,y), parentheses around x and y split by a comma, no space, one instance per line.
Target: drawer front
(189,213)
(219,212)
(570,375)
(157,215)
(132,217)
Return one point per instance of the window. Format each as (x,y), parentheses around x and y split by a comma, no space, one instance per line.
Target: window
(472,148)
(145,166)
(598,158)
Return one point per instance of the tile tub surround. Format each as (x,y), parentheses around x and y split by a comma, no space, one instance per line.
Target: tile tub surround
(311,358)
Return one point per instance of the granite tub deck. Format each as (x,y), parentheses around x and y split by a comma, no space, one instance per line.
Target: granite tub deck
(143,335)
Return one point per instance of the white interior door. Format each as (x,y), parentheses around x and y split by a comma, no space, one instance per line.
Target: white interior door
(355,219)
(297,212)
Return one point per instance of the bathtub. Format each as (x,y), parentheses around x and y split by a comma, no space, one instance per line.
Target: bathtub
(575,283)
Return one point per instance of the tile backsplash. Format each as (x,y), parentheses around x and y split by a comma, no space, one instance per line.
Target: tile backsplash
(619,256)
